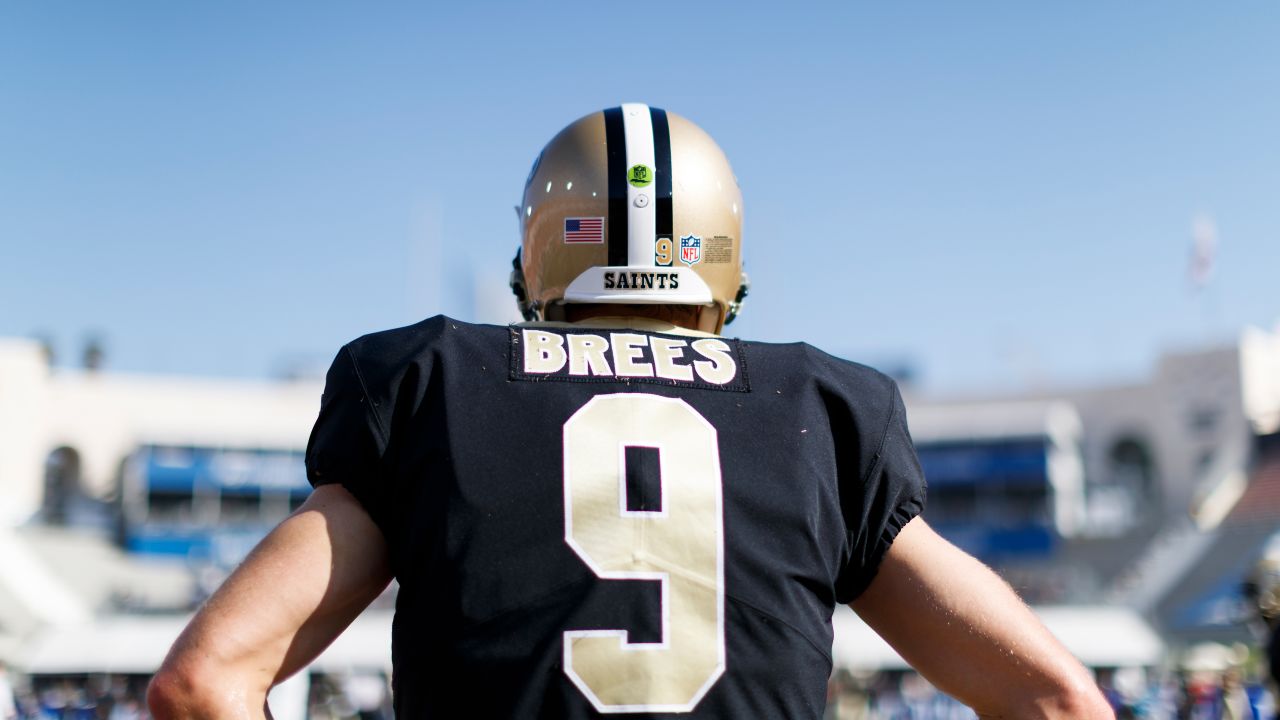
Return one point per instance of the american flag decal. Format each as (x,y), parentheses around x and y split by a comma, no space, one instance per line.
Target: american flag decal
(584,230)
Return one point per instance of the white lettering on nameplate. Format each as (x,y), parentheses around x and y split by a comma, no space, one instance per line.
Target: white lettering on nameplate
(538,354)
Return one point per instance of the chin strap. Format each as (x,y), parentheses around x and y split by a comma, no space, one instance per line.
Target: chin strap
(736,306)
(517,287)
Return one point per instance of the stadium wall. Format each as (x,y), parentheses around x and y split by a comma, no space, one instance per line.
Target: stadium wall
(102,417)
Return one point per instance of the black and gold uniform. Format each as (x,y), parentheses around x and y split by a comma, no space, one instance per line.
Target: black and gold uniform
(615,517)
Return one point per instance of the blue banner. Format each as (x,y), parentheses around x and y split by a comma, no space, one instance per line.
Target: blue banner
(222,547)
(183,469)
(996,543)
(1006,462)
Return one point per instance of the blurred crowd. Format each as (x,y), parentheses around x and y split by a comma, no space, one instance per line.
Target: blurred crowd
(92,697)
(123,697)
(1231,694)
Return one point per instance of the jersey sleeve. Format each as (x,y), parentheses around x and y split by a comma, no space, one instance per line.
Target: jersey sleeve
(889,493)
(348,440)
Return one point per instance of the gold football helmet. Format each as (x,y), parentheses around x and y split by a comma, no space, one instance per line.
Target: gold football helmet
(631,205)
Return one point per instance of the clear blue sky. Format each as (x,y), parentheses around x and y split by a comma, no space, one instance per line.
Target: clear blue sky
(1000,193)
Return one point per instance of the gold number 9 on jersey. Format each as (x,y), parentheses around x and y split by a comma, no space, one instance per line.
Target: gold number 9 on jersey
(681,546)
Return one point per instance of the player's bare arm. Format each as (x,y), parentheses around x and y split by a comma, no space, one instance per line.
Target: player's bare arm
(964,629)
(281,608)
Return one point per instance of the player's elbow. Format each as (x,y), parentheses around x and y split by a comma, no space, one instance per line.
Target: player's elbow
(184,690)
(1077,699)
(1073,696)
(170,694)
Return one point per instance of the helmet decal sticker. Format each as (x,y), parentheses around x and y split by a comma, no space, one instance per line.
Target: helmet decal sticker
(690,250)
(664,251)
(640,176)
(717,250)
(584,230)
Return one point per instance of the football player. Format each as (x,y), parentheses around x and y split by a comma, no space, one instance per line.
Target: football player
(611,508)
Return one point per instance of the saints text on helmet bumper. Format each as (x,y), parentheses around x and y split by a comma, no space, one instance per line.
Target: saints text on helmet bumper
(639,284)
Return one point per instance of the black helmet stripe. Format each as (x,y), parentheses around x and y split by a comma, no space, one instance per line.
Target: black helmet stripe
(616,150)
(662,173)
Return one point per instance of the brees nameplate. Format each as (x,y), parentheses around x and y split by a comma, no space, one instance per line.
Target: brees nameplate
(627,356)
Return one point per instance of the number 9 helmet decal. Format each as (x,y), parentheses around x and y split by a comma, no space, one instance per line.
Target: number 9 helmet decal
(631,205)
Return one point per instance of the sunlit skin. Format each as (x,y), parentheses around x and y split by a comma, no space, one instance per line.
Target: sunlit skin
(296,592)
(964,629)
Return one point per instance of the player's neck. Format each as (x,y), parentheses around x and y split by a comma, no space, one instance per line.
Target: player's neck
(689,317)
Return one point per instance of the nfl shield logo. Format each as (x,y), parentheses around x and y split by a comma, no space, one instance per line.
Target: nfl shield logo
(690,250)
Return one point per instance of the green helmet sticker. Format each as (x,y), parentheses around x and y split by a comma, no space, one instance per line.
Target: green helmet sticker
(640,175)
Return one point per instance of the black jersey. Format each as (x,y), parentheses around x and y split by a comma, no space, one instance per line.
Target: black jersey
(589,520)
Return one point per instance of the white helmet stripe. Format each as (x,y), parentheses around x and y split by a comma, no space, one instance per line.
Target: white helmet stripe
(641,207)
